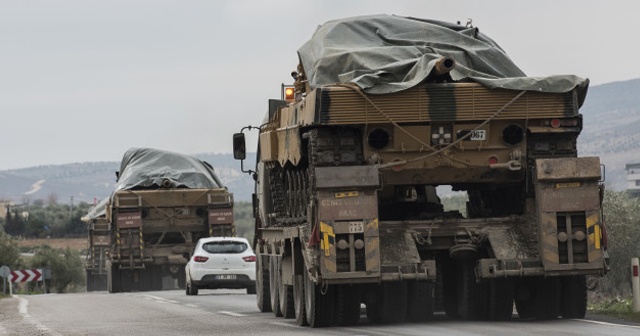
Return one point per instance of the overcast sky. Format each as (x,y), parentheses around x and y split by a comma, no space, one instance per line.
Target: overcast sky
(86,80)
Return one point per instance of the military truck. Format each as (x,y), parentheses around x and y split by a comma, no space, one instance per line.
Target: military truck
(385,111)
(162,204)
(99,243)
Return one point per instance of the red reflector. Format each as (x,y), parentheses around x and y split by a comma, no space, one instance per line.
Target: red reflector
(555,123)
(200,259)
(635,271)
(249,258)
(493,160)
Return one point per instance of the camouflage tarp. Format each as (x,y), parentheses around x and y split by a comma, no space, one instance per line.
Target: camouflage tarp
(146,168)
(384,54)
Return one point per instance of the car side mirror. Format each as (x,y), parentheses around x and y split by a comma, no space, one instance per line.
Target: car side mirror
(186,255)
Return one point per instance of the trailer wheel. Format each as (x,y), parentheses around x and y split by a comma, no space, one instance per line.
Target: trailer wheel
(156,277)
(574,297)
(390,303)
(420,301)
(523,294)
(273,285)
(318,303)
(547,299)
(467,290)
(263,297)
(90,281)
(114,282)
(298,300)
(449,288)
(347,305)
(285,294)
(498,305)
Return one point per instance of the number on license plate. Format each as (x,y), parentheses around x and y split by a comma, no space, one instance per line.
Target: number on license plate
(356,227)
(226,276)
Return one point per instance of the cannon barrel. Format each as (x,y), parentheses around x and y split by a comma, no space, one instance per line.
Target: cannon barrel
(443,66)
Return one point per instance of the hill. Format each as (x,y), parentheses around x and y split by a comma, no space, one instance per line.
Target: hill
(89,181)
(611,131)
(612,128)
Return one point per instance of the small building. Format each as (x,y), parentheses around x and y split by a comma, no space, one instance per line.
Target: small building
(4,205)
(633,178)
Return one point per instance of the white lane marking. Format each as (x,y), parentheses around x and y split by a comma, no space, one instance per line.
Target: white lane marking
(191,305)
(159,299)
(22,308)
(609,324)
(285,324)
(231,314)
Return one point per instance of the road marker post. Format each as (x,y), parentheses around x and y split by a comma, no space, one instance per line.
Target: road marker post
(635,284)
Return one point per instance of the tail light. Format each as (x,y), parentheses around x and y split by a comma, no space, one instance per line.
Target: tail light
(200,259)
(249,258)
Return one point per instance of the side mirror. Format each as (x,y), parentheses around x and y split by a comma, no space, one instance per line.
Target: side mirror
(239,147)
(186,255)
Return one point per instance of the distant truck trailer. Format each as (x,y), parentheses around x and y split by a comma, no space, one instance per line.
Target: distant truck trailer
(162,204)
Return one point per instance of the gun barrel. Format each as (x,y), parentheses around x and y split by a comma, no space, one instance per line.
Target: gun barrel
(443,66)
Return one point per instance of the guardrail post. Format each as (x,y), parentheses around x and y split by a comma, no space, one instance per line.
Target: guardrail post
(635,284)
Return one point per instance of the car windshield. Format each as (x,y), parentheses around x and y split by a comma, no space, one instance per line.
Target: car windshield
(225,247)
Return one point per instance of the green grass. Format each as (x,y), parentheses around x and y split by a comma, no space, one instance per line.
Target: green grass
(618,308)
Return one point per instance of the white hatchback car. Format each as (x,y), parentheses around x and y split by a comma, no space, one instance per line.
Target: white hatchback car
(221,262)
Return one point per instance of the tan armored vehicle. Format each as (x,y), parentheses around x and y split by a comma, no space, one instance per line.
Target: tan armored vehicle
(383,110)
(163,203)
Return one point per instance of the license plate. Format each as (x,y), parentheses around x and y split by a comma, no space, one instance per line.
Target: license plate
(356,227)
(226,277)
(478,135)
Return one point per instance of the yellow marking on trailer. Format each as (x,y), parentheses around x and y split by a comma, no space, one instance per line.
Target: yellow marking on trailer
(346,194)
(327,236)
(592,220)
(598,236)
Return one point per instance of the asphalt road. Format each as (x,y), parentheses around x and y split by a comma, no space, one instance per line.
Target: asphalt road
(231,312)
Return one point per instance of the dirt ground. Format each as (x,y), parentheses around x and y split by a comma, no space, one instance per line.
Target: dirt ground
(79,244)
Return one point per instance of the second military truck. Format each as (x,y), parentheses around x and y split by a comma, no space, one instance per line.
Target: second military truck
(163,203)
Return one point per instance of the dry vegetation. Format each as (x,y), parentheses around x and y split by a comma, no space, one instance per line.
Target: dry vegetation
(78,244)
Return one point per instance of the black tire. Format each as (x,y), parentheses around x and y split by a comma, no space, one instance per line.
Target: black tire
(90,281)
(156,277)
(420,301)
(144,277)
(547,298)
(347,305)
(285,294)
(574,297)
(191,288)
(467,290)
(318,303)
(114,283)
(496,300)
(449,289)
(393,302)
(298,300)
(263,296)
(274,284)
(523,294)
(182,278)
(251,289)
